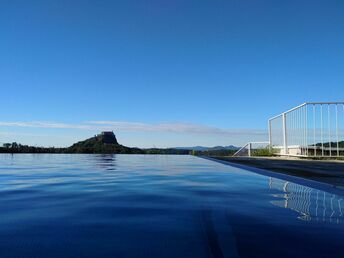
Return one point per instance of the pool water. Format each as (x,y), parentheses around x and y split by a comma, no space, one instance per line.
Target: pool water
(58,205)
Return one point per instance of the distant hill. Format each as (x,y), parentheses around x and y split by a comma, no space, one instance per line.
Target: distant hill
(202,148)
(105,142)
(333,144)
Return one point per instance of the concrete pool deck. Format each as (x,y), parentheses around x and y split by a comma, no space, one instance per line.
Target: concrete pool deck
(329,172)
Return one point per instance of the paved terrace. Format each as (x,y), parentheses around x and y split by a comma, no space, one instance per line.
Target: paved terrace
(330,172)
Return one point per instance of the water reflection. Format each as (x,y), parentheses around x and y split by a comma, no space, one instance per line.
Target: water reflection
(106,161)
(311,204)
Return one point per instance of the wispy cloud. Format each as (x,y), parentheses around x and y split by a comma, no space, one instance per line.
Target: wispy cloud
(174,128)
(40,124)
(183,128)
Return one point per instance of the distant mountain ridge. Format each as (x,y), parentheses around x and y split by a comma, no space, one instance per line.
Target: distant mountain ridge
(106,143)
(203,148)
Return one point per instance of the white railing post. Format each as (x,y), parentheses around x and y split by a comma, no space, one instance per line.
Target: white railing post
(285,141)
(321,130)
(314,132)
(329,128)
(270,135)
(337,138)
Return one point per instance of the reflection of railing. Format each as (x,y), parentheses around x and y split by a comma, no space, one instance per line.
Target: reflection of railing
(310,203)
(248,148)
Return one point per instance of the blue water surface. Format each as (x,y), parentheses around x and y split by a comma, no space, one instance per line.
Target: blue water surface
(56,205)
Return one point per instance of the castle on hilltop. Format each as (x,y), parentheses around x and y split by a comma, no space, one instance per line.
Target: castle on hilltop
(108,137)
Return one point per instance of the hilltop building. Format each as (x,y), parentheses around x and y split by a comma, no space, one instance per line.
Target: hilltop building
(108,137)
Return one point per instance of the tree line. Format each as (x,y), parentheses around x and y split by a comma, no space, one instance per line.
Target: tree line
(107,148)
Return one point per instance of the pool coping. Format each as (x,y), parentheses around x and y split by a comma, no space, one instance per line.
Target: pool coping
(298,180)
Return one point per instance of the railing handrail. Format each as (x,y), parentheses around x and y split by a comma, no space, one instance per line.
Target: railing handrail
(247,144)
(241,149)
(288,111)
(307,103)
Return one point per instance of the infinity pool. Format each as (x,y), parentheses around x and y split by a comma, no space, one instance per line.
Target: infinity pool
(159,206)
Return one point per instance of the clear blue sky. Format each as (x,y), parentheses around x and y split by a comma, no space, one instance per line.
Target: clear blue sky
(163,73)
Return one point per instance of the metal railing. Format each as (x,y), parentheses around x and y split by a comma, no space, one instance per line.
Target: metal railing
(249,148)
(311,129)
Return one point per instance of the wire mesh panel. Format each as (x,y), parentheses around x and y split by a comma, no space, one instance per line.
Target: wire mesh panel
(311,129)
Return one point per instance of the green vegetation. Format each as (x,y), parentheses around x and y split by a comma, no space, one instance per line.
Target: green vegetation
(333,144)
(166,151)
(223,152)
(265,152)
(19,148)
